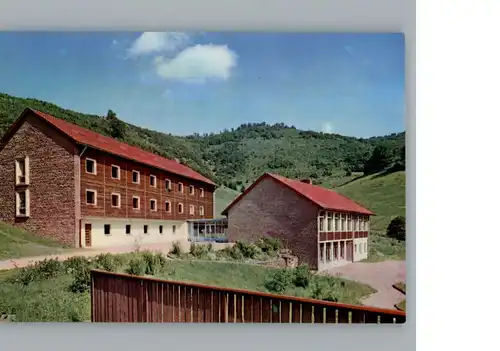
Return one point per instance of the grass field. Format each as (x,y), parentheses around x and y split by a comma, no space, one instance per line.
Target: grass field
(16,243)
(44,300)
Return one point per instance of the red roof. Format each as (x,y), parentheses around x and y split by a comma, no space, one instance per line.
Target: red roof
(324,198)
(98,141)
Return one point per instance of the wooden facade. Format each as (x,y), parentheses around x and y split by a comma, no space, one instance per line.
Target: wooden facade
(178,195)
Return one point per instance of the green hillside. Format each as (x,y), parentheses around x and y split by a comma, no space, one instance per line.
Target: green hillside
(223,197)
(233,157)
(382,193)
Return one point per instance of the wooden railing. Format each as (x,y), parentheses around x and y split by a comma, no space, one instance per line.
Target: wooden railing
(125,298)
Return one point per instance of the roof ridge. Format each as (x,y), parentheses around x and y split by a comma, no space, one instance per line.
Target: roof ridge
(54,121)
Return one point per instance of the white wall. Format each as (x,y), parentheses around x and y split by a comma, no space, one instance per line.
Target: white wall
(118,236)
(360,249)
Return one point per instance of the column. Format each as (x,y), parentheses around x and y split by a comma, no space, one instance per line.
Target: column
(332,257)
(324,252)
(338,250)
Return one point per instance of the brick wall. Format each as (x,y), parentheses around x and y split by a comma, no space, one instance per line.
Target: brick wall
(53,167)
(271,209)
(103,183)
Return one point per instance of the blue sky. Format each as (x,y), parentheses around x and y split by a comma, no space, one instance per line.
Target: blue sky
(182,83)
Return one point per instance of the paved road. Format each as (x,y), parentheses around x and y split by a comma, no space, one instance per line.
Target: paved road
(380,276)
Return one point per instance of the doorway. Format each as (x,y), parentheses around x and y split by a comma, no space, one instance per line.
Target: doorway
(88,235)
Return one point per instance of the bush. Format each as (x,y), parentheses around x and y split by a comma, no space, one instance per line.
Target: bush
(321,290)
(176,249)
(81,280)
(106,261)
(136,266)
(278,280)
(198,251)
(46,269)
(269,245)
(153,262)
(247,250)
(77,264)
(397,228)
(301,276)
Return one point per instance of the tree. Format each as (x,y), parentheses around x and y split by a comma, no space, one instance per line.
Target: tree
(397,228)
(117,127)
(380,159)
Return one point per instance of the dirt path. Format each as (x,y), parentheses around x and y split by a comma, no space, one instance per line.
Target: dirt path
(23,262)
(380,276)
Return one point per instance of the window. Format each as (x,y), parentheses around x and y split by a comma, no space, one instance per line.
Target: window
(127,229)
(136,177)
(343,220)
(115,200)
(202,192)
(191,210)
(321,221)
(90,166)
(91,197)
(202,211)
(349,223)
(152,205)
(180,208)
(337,222)
(180,187)
(22,203)
(330,222)
(191,190)
(160,229)
(168,184)
(115,172)
(167,206)
(136,204)
(107,229)
(365,247)
(145,229)
(152,181)
(356,247)
(173,229)
(22,171)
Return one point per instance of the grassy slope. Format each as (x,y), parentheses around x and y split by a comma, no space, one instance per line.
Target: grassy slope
(51,300)
(223,197)
(384,194)
(15,243)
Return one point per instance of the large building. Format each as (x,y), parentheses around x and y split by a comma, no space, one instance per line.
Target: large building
(323,228)
(84,189)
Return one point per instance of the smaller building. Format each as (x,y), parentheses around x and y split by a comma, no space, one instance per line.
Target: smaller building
(321,227)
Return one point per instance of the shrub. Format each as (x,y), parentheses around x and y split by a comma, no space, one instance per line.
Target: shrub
(81,280)
(397,229)
(176,249)
(301,276)
(46,269)
(269,245)
(153,262)
(321,290)
(247,250)
(136,266)
(77,264)
(198,250)
(106,262)
(278,280)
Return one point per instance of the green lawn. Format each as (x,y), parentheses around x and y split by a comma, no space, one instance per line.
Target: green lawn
(51,299)
(16,243)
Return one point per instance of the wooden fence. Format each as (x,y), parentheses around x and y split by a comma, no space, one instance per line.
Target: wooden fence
(125,298)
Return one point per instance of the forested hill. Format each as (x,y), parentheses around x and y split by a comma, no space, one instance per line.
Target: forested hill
(238,156)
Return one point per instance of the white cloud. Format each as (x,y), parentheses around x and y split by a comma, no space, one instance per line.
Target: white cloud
(154,42)
(198,63)
(327,127)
